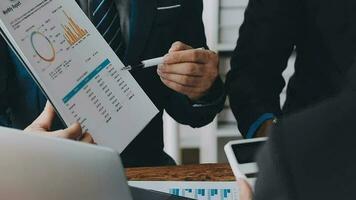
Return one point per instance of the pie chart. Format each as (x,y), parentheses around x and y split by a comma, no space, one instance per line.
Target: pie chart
(43,46)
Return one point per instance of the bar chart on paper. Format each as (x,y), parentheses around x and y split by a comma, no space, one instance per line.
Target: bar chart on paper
(193,190)
(72,31)
(204,194)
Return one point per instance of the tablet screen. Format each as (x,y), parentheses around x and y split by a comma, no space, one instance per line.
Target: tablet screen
(246,152)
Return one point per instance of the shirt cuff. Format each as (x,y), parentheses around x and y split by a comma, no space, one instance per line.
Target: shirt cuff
(258,123)
(214,97)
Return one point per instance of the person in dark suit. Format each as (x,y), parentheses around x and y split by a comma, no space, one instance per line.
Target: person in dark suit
(187,85)
(322,33)
(310,154)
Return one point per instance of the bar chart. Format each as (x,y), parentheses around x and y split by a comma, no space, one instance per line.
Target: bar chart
(193,190)
(203,194)
(72,31)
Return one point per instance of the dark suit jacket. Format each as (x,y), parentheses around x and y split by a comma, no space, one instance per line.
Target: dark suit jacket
(311,154)
(152,33)
(323,34)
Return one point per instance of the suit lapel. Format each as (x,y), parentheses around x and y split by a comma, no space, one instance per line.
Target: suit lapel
(142,16)
(84,4)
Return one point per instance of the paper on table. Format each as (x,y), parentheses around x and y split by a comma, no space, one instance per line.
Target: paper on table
(77,69)
(194,190)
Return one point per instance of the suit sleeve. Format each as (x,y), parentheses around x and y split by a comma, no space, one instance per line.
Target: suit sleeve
(3,96)
(274,179)
(265,43)
(195,114)
(4,84)
(305,159)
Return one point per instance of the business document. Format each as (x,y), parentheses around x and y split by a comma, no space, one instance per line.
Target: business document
(77,69)
(193,190)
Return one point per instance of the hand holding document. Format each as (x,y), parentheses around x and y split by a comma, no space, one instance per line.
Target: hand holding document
(43,123)
(77,70)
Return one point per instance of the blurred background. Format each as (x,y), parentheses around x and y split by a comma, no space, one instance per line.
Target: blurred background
(222,19)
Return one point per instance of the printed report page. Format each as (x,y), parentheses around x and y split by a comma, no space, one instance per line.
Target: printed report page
(77,69)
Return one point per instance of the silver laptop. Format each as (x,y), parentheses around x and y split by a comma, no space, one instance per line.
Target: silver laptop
(35,167)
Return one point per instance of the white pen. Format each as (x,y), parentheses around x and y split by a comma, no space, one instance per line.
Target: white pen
(147,63)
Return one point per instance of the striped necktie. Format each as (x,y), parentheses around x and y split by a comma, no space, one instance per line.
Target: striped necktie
(106,19)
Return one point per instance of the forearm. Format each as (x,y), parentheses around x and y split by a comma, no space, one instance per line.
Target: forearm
(200,111)
(266,41)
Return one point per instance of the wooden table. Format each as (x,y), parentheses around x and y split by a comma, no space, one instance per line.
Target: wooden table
(207,172)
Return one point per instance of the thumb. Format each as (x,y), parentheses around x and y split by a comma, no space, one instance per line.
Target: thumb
(45,120)
(246,192)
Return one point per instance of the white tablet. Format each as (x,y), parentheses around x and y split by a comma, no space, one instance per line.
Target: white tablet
(242,154)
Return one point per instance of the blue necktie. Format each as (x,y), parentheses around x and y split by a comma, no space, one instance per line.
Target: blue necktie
(106,18)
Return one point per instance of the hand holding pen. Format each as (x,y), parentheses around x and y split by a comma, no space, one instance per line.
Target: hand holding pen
(189,71)
(147,63)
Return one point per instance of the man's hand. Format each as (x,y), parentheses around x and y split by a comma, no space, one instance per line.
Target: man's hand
(44,122)
(245,190)
(189,71)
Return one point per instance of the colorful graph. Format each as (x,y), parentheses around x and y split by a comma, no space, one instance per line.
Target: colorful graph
(203,194)
(43,47)
(72,31)
(194,190)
